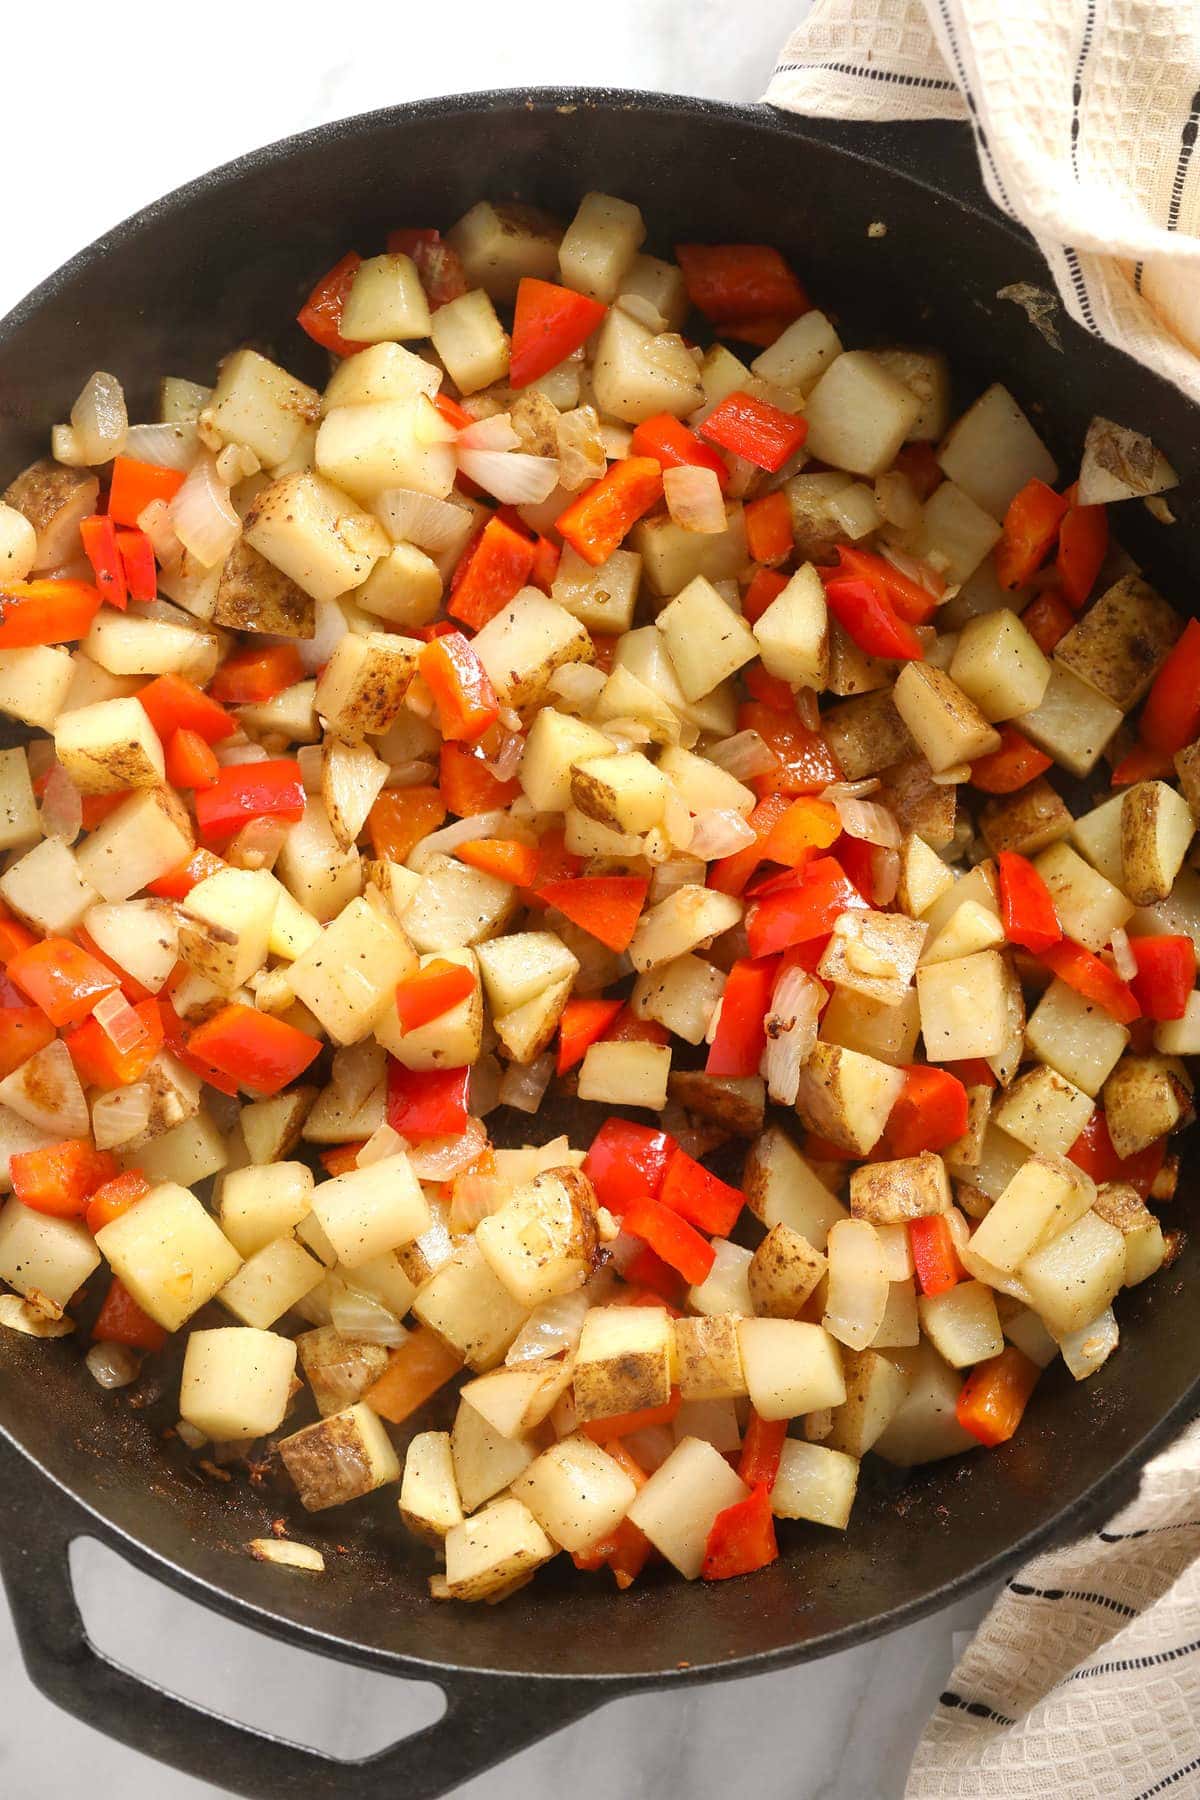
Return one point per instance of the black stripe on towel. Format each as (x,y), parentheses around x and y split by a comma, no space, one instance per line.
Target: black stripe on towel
(1123,1537)
(889,77)
(968,96)
(976,1708)
(1081,293)
(1170,1780)
(1105,1600)
(1186,146)
(1077,89)
(1130,1663)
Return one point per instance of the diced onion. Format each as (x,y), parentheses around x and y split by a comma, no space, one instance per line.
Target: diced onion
(361,1316)
(650,1447)
(258,844)
(1088,1348)
(617,439)
(431,524)
(674,873)
(120,1116)
(627,734)
(188,1434)
(868,821)
(807,710)
(119,1023)
(885,873)
(287,1554)
(437,1159)
(552,1329)
(578,686)
(203,515)
(112,1365)
(1124,960)
(483,1086)
(329,628)
(462,831)
(694,499)
(411,774)
(952,777)
(61,811)
(507,760)
(99,419)
(923,573)
(155,520)
(720,832)
(581,453)
(509,475)
(234,751)
(495,433)
(791,1026)
(32,1321)
(523,1085)
(311,759)
(475,1197)
(382,1142)
(166,446)
(743,756)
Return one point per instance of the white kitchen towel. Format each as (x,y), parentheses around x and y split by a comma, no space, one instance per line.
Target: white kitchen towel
(1085,114)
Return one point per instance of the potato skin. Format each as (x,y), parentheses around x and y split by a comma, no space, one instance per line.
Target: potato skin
(1144,1097)
(253,595)
(783,1272)
(725,1101)
(1027,822)
(867,734)
(45,490)
(921,805)
(1120,644)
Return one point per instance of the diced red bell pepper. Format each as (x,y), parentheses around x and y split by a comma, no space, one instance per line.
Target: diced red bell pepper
(1027,909)
(930,1112)
(431,992)
(176,1039)
(135,484)
(99,1063)
(99,536)
(699,1196)
(626,1161)
(808,824)
(772,690)
(45,612)
(654,1283)
(769,534)
(741,1538)
(24,1030)
(467,784)
(249,677)
(505,858)
(934,1255)
(994,1396)
(321,314)
(60,1178)
(627,1028)
(62,979)
(549,322)
(741,1037)
(438,264)
(452,412)
(112,1198)
(920,464)
(972,1071)
(763,434)
(867,615)
(138,564)
(669,443)
(546,557)
(806,905)
(1093,1152)
(1013,766)
(176,704)
(1047,619)
(806,762)
(736,282)
(190,762)
(908,599)
(766,585)
(95,808)
(1171,715)
(490,573)
(671,1237)
(425,1103)
(1082,547)
(1091,978)
(1166,975)
(254,1049)
(621,1425)
(762,1449)
(122,1321)
(597,520)
(730,874)
(463,693)
(1143,764)
(583,1023)
(339,1159)
(607,907)
(13,936)
(178,883)
(401,817)
(261,790)
(1030,528)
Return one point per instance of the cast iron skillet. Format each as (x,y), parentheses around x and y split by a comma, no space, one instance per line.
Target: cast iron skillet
(228,259)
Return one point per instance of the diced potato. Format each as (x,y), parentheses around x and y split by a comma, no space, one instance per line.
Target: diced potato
(706,640)
(169,1091)
(471,341)
(623,1362)
(236,1381)
(291,713)
(271,1282)
(701,784)
(501,1547)
(258,404)
(900,1327)
(518,967)
(46,889)
(873,953)
(851,670)
(187,1153)
(686,920)
(947,726)
(627,792)
(54,499)
(457,906)
(927,374)
(499,245)
(726,1287)
(315,534)
(556,741)
(484,1460)
(801,354)
(128,643)
(469,1307)
(875,1389)
(348,975)
(523,645)
(1181,1037)
(637,373)
(340,1458)
(867,734)
(847,1097)
(452,1040)
(1078,1038)
(362,687)
(672,556)
(19,824)
(784,1271)
(734,1103)
(258,1205)
(542,1241)
(1121,642)
(682,995)
(43,1256)
(317,873)
(1156,831)
(962,1323)
(526,1031)
(576,1491)
(1026,822)
(954,534)
(225,924)
(708,1357)
(924,1427)
(781,1189)
(405,587)
(662,284)
(386,371)
(859,414)
(793,633)
(34,684)
(386,301)
(1073,1278)
(969,929)
(1089,908)
(626,1074)
(963,1006)
(599,245)
(998,665)
(429,1499)
(815,1482)
(17,1134)
(993,450)
(141,936)
(1073,724)
(677,1506)
(514,1401)
(1097,835)
(602,598)
(873,1027)
(371,1210)
(791,1367)
(1143,1098)
(891,1193)
(169,1253)
(1043,1111)
(253,595)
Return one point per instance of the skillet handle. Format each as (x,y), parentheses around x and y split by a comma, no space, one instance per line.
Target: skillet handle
(487,1718)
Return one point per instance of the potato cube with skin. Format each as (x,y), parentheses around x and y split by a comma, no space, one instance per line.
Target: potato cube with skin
(1044,1196)
(471,341)
(429,1499)
(41,1254)
(677,1506)
(626,1074)
(542,1241)
(963,1006)
(733,1103)
(259,1205)
(875,1389)
(496,1550)
(521,647)
(1075,1036)
(784,1271)
(362,687)
(348,975)
(271,1282)
(258,404)
(1121,642)
(526,1031)
(467,1305)
(873,953)
(236,1381)
(1073,724)
(499,245)
(1072,1278)
(555,743)
(187,1153)
(602,598)
(859,414)
(847,1097)
(253,595)
(706,640)
(1027,822)
(316,534)
(682,995)
(946,725)
(169,1253)
(456,907)
(993,450)
(686,920)
(623,1362)
(626,792)
(34,683)
(371,1210)
(815,1482)
(793,632)
(1181,1037)
(1156,831)
(1043,1111)
(781,1189)
(708,1357)
(873,1027)
(791,1367)
(867,734)
(225,925)
(1089,908)
(1144,1098)
(340,1458)
(576,1491)
(386,301)
(19,823)
(599,245)
(998,665)
(924,1427)
(46,889)
(892,1193)
(962,1323)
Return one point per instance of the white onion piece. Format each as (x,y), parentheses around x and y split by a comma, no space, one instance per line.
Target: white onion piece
(166,446)
(483,1086)
(203,515)
(1124,961)
(523,1085)
(617,439)
(650,1447)
(507,760)
(437,1159)
(509,475)
(857,1295)
(155,521)
(952,777)
(431,524)
(258,843)
(495,433)
(694,499)
(643,310)
(850,790)
(578,686)
(232,752)
(744,755)
(119,1023)
(411,774)
(475,1197)
(311,761)
(61,810)
(121,1115)
(674,873)
(382,1142)
(329,628)
(923,573)
(462,831)
(791,1027)
(552,1329)
(1088,1348)
(99,419)
(885,873)
(719,832)
(581,454)
(627,734)
(868,821)
(361,1316)
(807,709)
(112,1365)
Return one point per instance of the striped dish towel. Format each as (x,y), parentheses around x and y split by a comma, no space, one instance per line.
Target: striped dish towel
(1085,114)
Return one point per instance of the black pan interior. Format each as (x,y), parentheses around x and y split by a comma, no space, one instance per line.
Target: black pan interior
(229,260)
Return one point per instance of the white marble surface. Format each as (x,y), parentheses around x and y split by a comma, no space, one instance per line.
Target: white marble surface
(192,96)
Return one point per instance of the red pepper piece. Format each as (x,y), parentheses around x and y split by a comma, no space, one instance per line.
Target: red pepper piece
(99,536)
(177,1043)
(766,585)
(736,282)
(607,907)
(122,1321)
(1171,715)
(401,817)
(929,1114)
(1013,766)
(806,762)
(762,1448)
(190,762)
(763,434)
(62,979)
(908,599)
(807,825)
(670,1237)
(174,704)
(1093,1152)
(549,322)
(250,791)
(45,612)
(546,557)
(431,992)
(467,784)
(424,1103)
(934,1255)
(24,1030)
(670,444)
(257,1051)
(620,1425)
(138,564)
(699,1196)
(1047,619)
(583,1023)
(595,523)
(1091,978)
(60,1178)
(135,484)
(627,1160)
(490,573)
(178,883)
(994,1396)
(730,874)
(741,1036)
(321,314)
(112,1198)
(1030,528)
(99,1063)
(1143,764)
(741,1538)
(804,906)
(1166,975)
(1026,907)
(1082,547)
(867,615)
(249,677)
(504,858)
(464,696)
